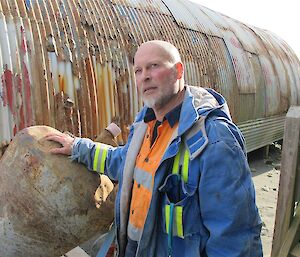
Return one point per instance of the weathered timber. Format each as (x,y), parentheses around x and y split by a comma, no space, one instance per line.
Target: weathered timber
(286,230)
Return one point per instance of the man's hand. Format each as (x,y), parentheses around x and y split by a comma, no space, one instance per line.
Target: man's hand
(64,139)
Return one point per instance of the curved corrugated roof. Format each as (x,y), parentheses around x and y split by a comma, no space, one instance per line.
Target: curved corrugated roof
(69,64)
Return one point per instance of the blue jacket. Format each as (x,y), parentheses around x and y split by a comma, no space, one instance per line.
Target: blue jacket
(220,217)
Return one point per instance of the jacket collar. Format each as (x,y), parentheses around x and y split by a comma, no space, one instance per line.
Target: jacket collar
(197,102)
(172,117)
(200,102)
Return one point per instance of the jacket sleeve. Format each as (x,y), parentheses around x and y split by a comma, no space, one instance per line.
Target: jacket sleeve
(98,157)
(227,196)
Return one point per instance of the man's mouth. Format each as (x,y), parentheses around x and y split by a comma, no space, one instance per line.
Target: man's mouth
(149,90)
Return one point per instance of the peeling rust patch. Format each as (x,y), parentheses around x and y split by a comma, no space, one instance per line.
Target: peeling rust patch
(84,51)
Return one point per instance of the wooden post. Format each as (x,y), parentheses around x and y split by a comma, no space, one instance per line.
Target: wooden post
(266,152)
(286,231)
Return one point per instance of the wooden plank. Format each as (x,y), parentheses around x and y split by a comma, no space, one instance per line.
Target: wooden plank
(297,189)
(292,237)
(296,251)
(285,204)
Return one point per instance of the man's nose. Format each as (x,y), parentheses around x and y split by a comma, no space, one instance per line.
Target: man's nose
(145,75)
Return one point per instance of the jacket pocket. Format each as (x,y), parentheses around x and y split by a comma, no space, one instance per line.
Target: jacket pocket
(179,207)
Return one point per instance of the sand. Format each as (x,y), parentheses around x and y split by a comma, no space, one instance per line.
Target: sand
(266,174)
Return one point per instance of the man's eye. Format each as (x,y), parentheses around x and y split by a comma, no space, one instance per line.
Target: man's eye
(137,71)
(154,65)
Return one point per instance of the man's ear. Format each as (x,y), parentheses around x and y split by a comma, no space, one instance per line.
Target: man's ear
(179,69)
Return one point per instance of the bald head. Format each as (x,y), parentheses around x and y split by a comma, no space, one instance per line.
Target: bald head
(164,48)
(159,76)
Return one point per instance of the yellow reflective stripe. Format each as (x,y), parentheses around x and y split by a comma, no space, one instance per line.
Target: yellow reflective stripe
(167,216)
(178,220)
(100,157)
(179,226)
(103,158)
(96,157)
(175,169)
(185,166)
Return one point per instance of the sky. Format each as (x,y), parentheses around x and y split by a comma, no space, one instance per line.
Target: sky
(280,17)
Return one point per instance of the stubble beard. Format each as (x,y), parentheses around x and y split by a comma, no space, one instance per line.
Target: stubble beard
(158,102)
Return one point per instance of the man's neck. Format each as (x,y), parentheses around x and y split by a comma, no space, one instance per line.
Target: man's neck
(178,99)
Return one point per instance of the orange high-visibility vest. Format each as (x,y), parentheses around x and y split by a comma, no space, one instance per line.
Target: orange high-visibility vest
(147,163)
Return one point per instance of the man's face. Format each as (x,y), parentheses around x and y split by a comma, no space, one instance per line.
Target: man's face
(156,76)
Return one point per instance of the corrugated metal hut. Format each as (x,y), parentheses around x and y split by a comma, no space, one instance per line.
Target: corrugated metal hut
(69,64)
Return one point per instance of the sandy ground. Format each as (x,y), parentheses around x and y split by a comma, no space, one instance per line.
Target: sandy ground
(266,174)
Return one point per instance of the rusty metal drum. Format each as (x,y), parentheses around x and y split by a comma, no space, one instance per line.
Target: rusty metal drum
(46,201)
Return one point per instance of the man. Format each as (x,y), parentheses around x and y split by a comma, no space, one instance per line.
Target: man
(185,188)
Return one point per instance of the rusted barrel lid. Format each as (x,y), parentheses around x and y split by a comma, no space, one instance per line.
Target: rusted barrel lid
(46,201)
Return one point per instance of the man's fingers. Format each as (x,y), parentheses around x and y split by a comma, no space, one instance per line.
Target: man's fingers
(61,150)
(60,138)
(55,137)
(55,150)
(65,140)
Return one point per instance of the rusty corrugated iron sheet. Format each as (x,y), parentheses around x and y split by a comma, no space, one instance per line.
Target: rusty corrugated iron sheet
(260,132)
(284,81)
(69,64)
(151,6)
(189,15)
(245,35)
(272,99)
(241,64)
(291,64)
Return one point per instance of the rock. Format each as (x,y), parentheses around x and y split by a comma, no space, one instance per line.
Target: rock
(277,166)
(264,231)
(268,162)
(265,188)
(269,174)
(46,201)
